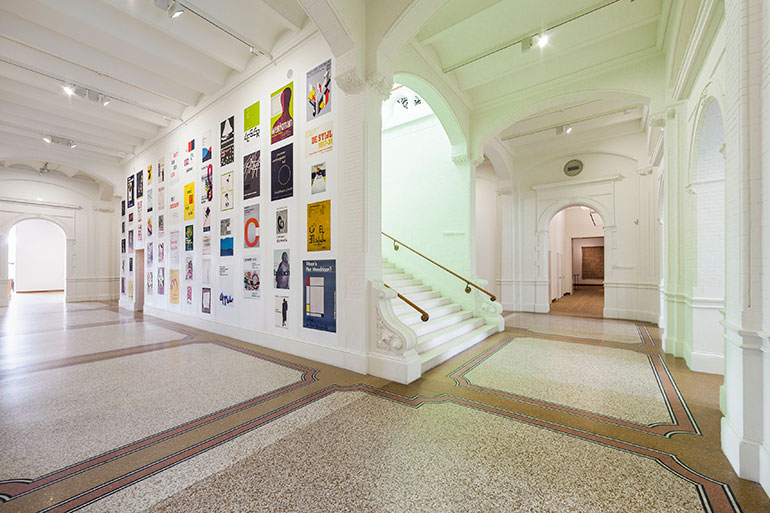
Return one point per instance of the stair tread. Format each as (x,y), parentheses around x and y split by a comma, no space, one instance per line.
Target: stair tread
(450,344)
(447,329)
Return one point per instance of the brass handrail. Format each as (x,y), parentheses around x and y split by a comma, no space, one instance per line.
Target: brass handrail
(468,283)
(424,317)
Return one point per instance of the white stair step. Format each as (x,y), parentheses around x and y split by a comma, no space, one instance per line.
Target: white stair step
(388,266)
(396,276)
(446,351)
(412,289)
(414,317)
(442,322)
(417,297)
(428,341)
(402,284)
(400,308)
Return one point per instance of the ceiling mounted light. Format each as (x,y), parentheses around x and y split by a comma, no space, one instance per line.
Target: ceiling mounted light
(175,10)
(568,129)
(542,40)
(68,90)
(105,101)
(73,145)
(47,139)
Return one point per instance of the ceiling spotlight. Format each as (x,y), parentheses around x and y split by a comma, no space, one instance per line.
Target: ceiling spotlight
(568,129)
(175,10)
(68,90)
(542,40)
(105,101)
(255,51)
(73,145)
(47,139)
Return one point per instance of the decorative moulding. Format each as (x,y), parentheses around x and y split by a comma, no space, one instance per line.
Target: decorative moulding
(573,183)
(710,16)
(49,204)
(350,82)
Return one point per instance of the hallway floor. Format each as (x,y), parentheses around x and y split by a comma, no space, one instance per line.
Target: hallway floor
(106,410)
(585,301)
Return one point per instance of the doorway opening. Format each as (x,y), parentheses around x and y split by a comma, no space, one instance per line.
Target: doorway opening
(36,262)
(576,262)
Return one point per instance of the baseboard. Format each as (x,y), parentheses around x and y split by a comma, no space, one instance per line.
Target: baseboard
(330,355)
(38,291)
(742,454)
(707,362)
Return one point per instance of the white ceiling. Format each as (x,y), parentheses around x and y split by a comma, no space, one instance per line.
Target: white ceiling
(152,68)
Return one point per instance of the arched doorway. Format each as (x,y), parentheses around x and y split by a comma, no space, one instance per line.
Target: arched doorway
(37,262)
(576,262)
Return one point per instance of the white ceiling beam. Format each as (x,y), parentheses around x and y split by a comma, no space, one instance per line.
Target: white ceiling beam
(78,56)
(192,31)
(18,144)
(94,23)
(448,18)
(291,12)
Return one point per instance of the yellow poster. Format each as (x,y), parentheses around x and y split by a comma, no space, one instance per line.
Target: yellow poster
(149,173)
(130,290)
(173,276)
(319,234)
(189,201)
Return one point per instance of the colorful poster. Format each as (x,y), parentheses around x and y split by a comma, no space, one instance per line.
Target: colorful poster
(188,237)
(130,241)
(227,141)
(189,201)
(150,283)
(173,278)
(149,254)
(173,207)
(224,281)
(281,270)
(189,295)
(173,247)
(139,184)
(123,285)
(226,194)
(251,168)
(319,139)
(251,122)
(139,227)
(161,252)
(319,235)
(123,208)
(206,300)
(251,288)
(161,197)
(188,268)
(282,114)
(149,200)
(130,290)
(122,245)
(318,178)
(319,96)
(251,226)
(282,224)
(161,281)
(206,244)
(319,296)
(130,191)
(161,225)
(207,219)
(282,312)
(130,218)
(161,170)
(282,172)
(206,271)
(225,237)
(207,183)
(149,226)
(149,174)
(206,146)
(189,157)
(174,175)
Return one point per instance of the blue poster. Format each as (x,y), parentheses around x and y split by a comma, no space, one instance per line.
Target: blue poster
(320,295)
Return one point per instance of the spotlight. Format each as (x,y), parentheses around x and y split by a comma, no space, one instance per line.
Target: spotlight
(175,10)
(68,90)
(47,139)
(73,145)
(542,40)
(568,130)
(105,101)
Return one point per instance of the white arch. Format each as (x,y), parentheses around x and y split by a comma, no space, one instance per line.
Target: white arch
(577,201)
(5,228)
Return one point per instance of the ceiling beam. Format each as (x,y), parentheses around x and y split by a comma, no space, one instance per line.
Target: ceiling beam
(290,12)
(451,16)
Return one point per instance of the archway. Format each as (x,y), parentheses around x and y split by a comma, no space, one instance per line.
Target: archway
(37,260)
(576,262)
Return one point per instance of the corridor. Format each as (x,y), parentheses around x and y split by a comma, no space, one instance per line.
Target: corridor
(107,410)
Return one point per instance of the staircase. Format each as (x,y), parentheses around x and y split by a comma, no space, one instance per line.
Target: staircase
(450,329)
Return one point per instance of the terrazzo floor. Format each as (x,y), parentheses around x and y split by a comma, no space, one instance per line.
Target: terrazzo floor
(122,413)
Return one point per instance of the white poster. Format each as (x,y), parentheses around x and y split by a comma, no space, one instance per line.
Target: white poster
(251,283)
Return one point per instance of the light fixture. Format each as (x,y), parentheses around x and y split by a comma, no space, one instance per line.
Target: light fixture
(47,139)
(568,129)
(175,10)
(542,40)
(255,51)
(68,90)
(39,199)
(105,101)
(73,145)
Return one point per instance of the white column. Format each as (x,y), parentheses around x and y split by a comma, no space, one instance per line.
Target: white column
(3,270)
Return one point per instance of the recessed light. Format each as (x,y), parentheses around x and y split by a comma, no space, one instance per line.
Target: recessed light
(568,130)
(47,139)
(39,199)
(73,145)
(68,90)
(542,40)
(105,102)
(175,10)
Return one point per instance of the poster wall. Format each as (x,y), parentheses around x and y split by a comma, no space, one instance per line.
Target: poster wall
(319,296)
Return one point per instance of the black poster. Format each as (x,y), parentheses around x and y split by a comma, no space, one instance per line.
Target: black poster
(139,185)
(251,175)
(123,208)
(227,141)
(130,191)
(282,172)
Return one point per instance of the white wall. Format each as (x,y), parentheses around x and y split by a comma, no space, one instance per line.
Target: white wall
(40,256)
(487,227)
(557,251)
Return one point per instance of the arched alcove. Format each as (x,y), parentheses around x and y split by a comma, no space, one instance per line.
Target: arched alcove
(37,256)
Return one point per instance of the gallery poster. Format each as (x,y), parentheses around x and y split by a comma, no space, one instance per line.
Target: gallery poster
(319,139)
(123,208)
(161,198)
(189,201)
(206,146)
(319,95)
(161,170)
(173,247)
(161,225)
(173,206)
(161,281)
(130,241)
(188,237)
(251,122)
(189,295)
(206,271)
(207,219)
(130,290)
(281,269)
(123,227)
(282,113)
(161,252)
(139,227)
(206,300)
(251,175)
(174,171)
(139,185)
(188,268)
(226,194)
(149,174)
(225,237)
(282,312)
(224,281)
(149,226)
(282,172)
(123,285)
(149,254)
(318,178)
(189,156)
(173,279)
(122,245)
(149,200)
(319,297)
(206,244)
(227,141)
(319,226)
(207,183)
(251,285)
(251,226)
(130,191)
(282,224)
(150,283)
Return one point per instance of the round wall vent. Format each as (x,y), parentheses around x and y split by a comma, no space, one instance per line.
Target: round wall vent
(573,168)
